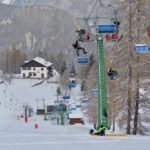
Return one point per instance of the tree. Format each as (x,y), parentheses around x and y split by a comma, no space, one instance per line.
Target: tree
(73,70)
(130,64)
(89,84)
(63,68)
(58,91)
(64,80)
(11,60)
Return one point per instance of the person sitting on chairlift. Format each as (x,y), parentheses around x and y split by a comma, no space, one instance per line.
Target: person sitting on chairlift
(108,37)
(83,35)
(87,36)
(78,47)
(111,73)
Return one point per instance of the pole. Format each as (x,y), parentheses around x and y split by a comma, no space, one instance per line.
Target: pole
(101,110)
(62,115)
(26,115)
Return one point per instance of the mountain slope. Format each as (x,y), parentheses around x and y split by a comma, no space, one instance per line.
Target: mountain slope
(75,7)
(35,28)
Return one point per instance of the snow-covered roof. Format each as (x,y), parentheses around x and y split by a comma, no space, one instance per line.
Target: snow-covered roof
(42,61)
(76,114)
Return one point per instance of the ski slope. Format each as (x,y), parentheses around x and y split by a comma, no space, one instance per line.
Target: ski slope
(18,135)
(15,134)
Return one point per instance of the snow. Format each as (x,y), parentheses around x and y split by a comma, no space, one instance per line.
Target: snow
(6,1)
(15,134)
(23,136)
(56,76)
(77,114)
(42,61)
(26,93)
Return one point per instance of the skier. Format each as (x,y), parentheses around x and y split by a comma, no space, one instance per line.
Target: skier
(78,47)
(101,131)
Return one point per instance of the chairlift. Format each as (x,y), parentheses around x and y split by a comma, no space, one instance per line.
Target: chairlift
(141,48)
(148,31)
(73,107)
(85,101)
(107,28)
(83,59)
(66,97)
(111,36)
(71,84)
(93,91)
(83,35)
(78,105)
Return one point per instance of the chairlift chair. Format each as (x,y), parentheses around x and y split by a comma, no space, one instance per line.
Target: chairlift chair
(107,28)
(66,97)
(71,84)
(85,101)
(141,48)
(94,91)
(83,59)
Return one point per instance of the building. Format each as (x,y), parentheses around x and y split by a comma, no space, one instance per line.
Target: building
(76,117)
(37,68)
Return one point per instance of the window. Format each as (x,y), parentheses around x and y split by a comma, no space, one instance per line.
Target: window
(34,74)
(42,68)
(23,68)
(33,68)
(30,74)
(24,75)
(42,75)
(28,68)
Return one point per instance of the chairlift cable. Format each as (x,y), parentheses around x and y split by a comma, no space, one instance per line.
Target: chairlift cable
(101,3)
(87,19)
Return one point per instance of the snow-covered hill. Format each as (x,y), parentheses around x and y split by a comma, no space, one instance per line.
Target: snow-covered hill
(20,92)
(37,94)
(76,7)
(16,134)
(6,1)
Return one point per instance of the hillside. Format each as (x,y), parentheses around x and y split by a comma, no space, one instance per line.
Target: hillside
(75,7)
(20,92)
(34,28)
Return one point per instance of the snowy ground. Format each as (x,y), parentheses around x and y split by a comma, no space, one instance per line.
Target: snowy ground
(18,135)
(15,134)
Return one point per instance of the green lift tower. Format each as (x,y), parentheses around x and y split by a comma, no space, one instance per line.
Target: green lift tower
(102,108)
